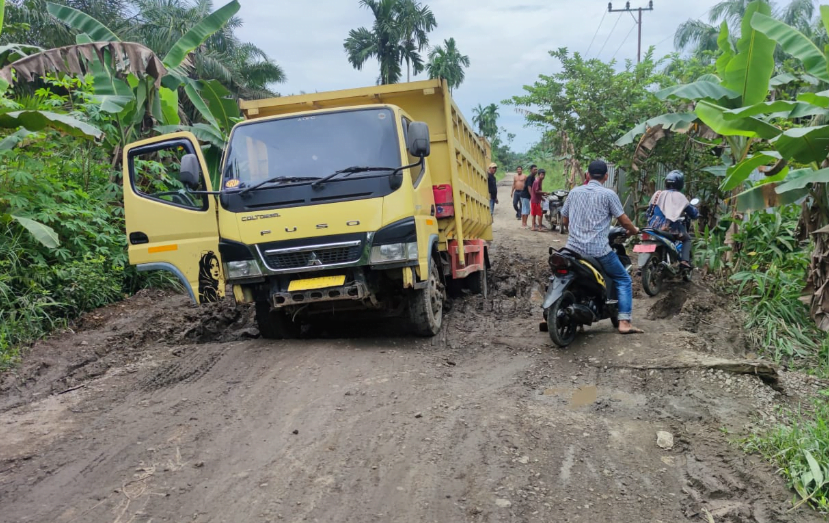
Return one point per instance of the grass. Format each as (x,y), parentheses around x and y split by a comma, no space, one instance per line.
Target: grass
(800,448)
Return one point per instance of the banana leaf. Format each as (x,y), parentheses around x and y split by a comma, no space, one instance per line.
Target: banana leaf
(699,90)
(779,109)
(750,70)
(801,179)
(804,144)
(794,43)
(724,43)
(199,33)
(220,103)
(820,99)
(81,21)
(713,116)
(669,121)
(192,91)
(42,233)
(169,106)
(737,174)
(39,120)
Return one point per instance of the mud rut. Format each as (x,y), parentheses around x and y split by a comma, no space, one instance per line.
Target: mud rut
(152,411)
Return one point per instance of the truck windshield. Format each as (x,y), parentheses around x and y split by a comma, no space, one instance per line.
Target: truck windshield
(313,146)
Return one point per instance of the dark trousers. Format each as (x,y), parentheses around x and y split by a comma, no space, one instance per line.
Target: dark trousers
(682,233)
(516,203)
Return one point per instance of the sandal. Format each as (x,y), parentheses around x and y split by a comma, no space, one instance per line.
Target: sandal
(632,330)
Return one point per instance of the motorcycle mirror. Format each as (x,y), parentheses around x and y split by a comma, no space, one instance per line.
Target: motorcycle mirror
(695,202)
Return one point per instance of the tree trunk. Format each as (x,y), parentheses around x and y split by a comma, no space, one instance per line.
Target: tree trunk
(813,223)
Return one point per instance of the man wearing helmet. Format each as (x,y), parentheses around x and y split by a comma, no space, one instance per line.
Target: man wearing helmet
(588,211)
(666,209)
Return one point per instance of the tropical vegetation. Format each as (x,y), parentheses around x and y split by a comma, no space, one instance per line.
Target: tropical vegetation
(78,81)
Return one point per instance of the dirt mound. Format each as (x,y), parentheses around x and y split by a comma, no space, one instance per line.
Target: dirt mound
(698,308)
(118,335)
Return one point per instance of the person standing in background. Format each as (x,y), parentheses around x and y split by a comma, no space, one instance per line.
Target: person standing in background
(517,189)
(536,199)
(493,187)
(525,196)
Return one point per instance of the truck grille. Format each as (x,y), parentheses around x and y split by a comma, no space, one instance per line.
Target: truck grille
(313,253)
(316,257)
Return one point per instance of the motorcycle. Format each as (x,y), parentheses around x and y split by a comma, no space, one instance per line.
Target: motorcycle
(578,293)
(555,202)
(659,256)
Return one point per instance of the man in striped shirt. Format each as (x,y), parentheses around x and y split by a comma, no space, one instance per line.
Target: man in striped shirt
(588,211)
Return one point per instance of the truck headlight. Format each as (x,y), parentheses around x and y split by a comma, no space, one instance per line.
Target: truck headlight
(237,270)
(394,252)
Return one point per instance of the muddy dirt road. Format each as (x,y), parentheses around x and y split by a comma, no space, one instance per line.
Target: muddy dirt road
(152,411)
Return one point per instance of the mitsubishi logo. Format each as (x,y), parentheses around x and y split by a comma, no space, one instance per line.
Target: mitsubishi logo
(313,261)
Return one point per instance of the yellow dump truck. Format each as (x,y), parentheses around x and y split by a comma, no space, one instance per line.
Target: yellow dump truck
(362,201)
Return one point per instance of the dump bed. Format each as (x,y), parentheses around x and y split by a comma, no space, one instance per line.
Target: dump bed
(459,157)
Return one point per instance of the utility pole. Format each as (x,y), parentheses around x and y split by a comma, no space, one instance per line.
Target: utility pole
(639,23)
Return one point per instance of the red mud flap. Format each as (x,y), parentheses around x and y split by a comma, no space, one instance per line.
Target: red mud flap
(474,252)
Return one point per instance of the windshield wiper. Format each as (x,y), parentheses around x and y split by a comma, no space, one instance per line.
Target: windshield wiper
(277,179)
(348,171)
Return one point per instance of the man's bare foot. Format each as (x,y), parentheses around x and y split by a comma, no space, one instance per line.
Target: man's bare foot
(626,328)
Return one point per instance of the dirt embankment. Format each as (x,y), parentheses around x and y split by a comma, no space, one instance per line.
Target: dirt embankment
(154,411)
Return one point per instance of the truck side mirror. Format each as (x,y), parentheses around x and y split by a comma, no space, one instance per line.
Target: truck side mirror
(419,145)
(189,173)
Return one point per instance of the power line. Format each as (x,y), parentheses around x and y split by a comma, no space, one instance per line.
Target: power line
(604,13)
(639,22)
(624,41)
(608,36)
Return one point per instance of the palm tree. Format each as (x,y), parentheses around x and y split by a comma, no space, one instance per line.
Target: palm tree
(448,63)
(416,22)
(397,35)
(697,35)
(701,37)
(486,118)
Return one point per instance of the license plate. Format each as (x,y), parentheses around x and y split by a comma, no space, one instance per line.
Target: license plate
(645,247)
(316,283)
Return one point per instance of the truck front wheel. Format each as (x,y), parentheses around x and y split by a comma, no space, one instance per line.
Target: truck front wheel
(275,324)
(426,304)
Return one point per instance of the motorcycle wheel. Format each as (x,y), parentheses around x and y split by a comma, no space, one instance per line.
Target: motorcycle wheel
(652,276)
(561,333)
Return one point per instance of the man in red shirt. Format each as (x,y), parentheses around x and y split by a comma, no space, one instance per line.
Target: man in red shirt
(537,195)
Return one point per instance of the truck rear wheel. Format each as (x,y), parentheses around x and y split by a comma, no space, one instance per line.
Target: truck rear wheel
(426,304)
(477,282)
(275,324)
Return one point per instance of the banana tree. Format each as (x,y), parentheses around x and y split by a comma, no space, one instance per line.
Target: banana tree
(130,81)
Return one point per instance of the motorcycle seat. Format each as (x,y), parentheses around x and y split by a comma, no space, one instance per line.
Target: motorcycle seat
(589,259)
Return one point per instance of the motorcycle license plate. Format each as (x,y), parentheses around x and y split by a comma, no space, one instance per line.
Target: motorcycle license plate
(645,247)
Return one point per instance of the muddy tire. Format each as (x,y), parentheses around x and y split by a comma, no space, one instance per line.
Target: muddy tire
(426,305)
(476,282)
(652,276)
(275,324)
(562,332)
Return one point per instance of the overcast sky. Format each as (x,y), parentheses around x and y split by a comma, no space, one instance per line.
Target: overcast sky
(506,41)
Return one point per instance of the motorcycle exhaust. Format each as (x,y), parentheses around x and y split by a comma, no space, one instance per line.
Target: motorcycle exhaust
(581,314)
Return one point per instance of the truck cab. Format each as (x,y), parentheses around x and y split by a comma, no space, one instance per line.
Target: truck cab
(319,212)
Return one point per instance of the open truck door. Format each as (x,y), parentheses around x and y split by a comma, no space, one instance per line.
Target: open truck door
(171,221)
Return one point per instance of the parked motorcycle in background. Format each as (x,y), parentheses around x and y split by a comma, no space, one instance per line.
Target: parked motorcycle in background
(555,202)
(579,292)
(659,256)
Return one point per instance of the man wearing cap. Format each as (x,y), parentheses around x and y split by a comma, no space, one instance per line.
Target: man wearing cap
(493,187)
(588,211)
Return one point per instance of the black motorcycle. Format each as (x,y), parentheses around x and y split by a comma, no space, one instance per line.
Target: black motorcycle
(578,292)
